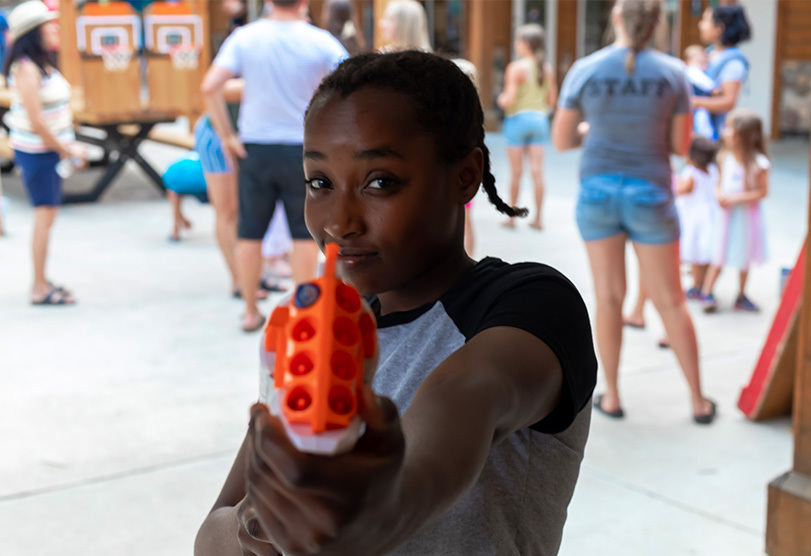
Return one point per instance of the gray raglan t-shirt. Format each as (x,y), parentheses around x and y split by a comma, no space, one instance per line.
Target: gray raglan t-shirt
(629,115)
(518,504)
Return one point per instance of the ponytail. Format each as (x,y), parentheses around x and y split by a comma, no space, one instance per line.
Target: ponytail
(534,37)
(639,19)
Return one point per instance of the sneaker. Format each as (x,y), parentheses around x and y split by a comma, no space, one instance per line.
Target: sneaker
(693,294)
(709,303)
(743,303)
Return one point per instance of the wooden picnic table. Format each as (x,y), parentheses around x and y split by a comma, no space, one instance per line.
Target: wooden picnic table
(122,136)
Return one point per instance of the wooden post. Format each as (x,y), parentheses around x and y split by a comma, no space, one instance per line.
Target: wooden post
(688,23)
(566,51)
(788,530)
(68,53)
(379,7)
(490,47)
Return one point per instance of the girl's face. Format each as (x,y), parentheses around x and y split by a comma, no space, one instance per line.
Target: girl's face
(729,136)
(376,187)
(50,35)
(709,32)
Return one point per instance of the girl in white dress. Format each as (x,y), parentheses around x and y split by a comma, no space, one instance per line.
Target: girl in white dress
(741,238)
(698,208)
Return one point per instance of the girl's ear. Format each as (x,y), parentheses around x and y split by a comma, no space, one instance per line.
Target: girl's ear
(469,175)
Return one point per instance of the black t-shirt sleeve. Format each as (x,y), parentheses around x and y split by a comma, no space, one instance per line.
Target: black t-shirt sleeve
(541,301)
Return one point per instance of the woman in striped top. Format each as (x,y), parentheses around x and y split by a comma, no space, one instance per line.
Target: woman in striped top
(41,129)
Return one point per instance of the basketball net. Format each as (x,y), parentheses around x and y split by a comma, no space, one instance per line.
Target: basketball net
(116,57)
(184,57)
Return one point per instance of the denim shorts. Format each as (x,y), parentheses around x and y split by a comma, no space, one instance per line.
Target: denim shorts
(526,128)
(207,144)
(42,183)
(609,204)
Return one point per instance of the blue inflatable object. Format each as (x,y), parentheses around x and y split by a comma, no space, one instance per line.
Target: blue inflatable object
(185,177)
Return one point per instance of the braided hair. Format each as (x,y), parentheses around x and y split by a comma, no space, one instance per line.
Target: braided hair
(639,19)
(445,100)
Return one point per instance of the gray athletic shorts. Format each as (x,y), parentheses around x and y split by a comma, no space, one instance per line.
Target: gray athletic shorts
(271,173)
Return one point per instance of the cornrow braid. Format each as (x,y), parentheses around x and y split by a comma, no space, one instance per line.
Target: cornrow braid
(445,101)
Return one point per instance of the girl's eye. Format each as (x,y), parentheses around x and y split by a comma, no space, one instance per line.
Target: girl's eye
(382,183)
(317,183)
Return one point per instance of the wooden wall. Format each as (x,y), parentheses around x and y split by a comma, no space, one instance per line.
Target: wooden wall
(793,42)
(566,52)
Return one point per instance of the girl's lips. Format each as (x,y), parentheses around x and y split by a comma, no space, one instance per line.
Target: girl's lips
(352,260)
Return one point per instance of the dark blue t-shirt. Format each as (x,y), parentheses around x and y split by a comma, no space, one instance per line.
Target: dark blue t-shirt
(630,115)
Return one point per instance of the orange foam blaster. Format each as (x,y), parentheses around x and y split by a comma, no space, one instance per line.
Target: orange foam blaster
(320,347)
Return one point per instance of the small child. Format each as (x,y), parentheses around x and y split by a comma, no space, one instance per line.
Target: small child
(697,62)
(697,207)
(740,234)
(490,364)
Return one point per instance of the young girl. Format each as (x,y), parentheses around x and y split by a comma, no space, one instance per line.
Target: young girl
(530,88)
(697,206)
(744,183)
(491,364)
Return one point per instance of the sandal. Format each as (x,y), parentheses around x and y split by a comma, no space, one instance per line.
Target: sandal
(271,286)
(598,405)
(261,294)
(256,326)
(707,418)
(55,296)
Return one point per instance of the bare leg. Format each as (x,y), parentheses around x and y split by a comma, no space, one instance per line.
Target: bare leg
(179,222)
(469,236)
(222,193)
(304,260)
(659,266)
(607,258)
(43,221)
(637,316)
(742,282)
(516,157)
(699,272)
(536,153)
(249,266)
(709,280)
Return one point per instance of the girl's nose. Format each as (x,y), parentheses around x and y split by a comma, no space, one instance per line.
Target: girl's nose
(345,218)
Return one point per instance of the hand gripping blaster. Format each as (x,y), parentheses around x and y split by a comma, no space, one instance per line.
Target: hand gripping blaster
(320,347)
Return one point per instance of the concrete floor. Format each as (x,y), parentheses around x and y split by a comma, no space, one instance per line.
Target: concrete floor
(119,417)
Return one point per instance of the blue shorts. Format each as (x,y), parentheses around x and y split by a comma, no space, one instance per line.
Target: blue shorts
(609,205)
(207,144)
(526,128)
(42,183)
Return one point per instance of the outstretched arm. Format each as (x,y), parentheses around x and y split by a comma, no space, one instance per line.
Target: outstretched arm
(398,478)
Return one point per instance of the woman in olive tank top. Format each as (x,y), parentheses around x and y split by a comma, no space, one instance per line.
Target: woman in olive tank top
(530,89)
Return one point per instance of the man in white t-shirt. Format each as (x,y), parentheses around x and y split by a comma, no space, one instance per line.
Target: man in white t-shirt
(282,59)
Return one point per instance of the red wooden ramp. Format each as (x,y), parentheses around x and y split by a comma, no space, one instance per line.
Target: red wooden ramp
(770,389)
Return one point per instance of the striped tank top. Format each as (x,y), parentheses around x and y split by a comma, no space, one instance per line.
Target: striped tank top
(54,94)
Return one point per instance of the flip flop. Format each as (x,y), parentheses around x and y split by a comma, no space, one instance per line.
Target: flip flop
(709,417)
(50,300)
(664,343)
(270,286)
(630,324)
(598,405)
(261,294)
(258,326)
